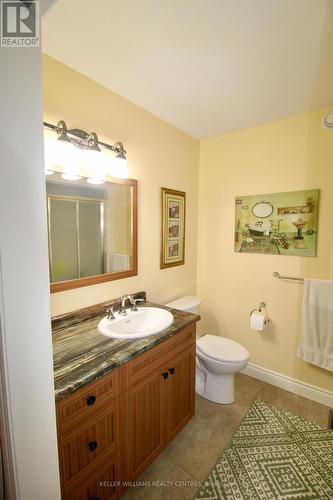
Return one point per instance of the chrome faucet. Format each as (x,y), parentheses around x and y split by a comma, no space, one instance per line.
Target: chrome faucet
(110,313)
(122,307)
(132,301)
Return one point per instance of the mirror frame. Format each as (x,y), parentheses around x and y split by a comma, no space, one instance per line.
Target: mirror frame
(263,203)
(61,286)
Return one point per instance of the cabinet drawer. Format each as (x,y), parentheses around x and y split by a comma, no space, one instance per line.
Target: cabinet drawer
(148,362)
(72,409)
(82,447)
(102,484)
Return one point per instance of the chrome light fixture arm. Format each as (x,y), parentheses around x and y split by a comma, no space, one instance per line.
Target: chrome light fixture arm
(84,140)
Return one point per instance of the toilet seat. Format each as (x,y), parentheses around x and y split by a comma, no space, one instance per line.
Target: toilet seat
(222,349)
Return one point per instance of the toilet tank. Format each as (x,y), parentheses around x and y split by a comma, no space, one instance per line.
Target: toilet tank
(190,303)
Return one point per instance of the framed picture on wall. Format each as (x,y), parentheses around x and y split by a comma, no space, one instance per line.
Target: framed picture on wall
(277,223)
(173,228)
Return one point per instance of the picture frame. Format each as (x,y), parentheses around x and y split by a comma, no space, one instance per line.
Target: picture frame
(173,211)
(284,223)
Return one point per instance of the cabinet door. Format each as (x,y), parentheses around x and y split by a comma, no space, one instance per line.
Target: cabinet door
(180,397)
(102,484)
(144,410)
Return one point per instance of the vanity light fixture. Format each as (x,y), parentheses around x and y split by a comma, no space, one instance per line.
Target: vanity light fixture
(327,121)
(91,157)
(120,162)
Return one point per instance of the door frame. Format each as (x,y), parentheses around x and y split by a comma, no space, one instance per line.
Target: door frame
(7,461)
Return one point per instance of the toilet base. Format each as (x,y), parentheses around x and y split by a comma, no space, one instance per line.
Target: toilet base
(216,388)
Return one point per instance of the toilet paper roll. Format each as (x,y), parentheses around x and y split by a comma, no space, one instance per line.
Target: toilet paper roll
(258,321)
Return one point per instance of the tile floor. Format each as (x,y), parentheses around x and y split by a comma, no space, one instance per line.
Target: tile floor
(190,457)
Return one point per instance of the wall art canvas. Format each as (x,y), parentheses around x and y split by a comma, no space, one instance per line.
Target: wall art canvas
(277,223)
(173,228)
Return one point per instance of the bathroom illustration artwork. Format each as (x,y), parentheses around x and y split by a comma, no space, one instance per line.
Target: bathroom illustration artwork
(173,228)
(277,223)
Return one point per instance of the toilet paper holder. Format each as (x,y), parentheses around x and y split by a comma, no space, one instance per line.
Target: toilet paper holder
(258,318)
(260,308)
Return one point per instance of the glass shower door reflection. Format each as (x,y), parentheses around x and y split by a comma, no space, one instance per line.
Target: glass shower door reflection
(76,238)
(91,238)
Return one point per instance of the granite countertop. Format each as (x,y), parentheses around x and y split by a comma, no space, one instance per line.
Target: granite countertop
(81,354)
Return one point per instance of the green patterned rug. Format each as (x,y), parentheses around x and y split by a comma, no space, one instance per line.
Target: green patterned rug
(273,455)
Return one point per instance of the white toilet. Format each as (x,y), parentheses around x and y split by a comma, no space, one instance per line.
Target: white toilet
(218,359)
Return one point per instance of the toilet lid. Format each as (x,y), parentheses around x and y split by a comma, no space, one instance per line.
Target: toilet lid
(222,349)
(185,303)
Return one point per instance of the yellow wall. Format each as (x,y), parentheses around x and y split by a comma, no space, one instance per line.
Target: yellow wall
(285,155)
(158,155)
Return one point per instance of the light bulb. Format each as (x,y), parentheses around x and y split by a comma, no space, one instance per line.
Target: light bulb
(68,157)
(92,180)
(93,163)
(119,168)
(49,147)
(70,176)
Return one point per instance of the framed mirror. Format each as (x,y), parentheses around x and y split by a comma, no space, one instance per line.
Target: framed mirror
(262,209)
(92,231)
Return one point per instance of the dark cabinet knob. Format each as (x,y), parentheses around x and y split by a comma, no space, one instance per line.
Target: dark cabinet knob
(165,375)
(94,498)
(92,445)
(91,400)
(172,371)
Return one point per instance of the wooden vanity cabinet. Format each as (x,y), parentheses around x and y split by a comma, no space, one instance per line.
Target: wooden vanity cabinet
(112,429)
(88,439)
(159,399)
(157,408)
(102,483)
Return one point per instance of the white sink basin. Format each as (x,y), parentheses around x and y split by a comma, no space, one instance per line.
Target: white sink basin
(142,323)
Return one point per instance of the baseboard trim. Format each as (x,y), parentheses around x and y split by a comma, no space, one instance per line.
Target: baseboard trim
(290,384)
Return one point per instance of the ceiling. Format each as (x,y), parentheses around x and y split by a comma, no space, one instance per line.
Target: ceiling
(206,66)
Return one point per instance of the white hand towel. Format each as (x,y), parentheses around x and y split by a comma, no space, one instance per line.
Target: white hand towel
(316,340)
(120,262)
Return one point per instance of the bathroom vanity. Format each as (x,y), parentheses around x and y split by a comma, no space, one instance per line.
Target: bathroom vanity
(118,403)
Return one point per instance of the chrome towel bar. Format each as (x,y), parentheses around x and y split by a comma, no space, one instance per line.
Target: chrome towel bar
(278,275)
